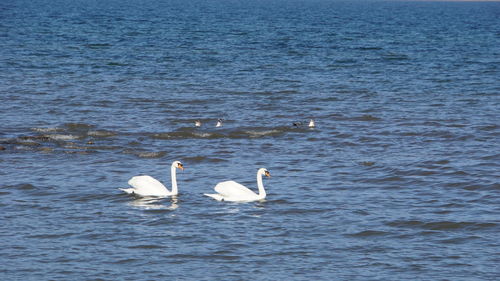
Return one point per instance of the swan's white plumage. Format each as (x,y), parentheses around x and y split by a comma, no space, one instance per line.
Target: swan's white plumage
(235,192)
(233,189)
(149,186)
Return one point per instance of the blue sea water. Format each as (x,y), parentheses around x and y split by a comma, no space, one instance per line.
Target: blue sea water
(398,181)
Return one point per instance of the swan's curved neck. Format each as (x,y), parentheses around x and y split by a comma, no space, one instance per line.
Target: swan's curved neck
(174,180)
(262,191)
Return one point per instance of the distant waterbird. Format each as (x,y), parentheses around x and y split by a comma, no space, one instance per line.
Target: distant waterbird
(219,123)
(197,123)
(311,124)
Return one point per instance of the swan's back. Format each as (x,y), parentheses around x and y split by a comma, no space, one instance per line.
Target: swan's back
(146,185)
(234,189)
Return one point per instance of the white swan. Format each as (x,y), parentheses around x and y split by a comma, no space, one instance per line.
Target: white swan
(235,192)
(311,124)
(149,186)
(219,123)
(197,123)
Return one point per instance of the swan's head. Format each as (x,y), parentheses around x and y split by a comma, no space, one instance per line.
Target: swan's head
(178,165)
(265,172)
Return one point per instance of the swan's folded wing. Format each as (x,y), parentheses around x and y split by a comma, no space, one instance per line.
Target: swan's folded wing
(146,184)
(233,189)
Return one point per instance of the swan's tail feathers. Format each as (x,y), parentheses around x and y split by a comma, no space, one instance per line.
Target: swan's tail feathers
(128,190)
(216,196)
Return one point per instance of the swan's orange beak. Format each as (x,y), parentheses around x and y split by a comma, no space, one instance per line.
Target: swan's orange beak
(267,174)
(180,166)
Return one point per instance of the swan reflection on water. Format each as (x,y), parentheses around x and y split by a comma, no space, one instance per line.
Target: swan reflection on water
(155,203)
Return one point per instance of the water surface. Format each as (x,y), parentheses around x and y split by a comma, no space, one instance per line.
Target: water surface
(399,180)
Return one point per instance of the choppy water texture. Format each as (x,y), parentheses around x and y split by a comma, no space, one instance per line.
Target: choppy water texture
(398,181)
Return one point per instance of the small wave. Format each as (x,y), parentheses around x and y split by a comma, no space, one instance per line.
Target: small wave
(158,154)
(46,130)
(345,61)
(198,159)
(368,233)
(411,134)
(367,117)
(343,136)
(435,134)
(456,125)
(437,162)
(78,152)
(395,57)
(113,63)
(125,261)
(232,134)
(104,147)
(101,133)
(489,127)
(458,240)
(443,225)
(450,225)
(23,148)
(23,186)
(50,236)
(259,134)
(387,179)
(78,126)
(208,135)
(287,253)
(98,45)
(491,157)
(187,135)
(369,48)
(145,154)
(366,139)
(28,143)
(62,137)
(205,257)
(148,246)
(404,223)
(456,173)
(301,211)
(34,138)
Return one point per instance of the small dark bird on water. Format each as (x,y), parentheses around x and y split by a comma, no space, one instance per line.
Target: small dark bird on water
(219,123)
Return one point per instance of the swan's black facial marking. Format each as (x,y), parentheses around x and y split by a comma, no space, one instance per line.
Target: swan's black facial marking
(180,166)
(267,174)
